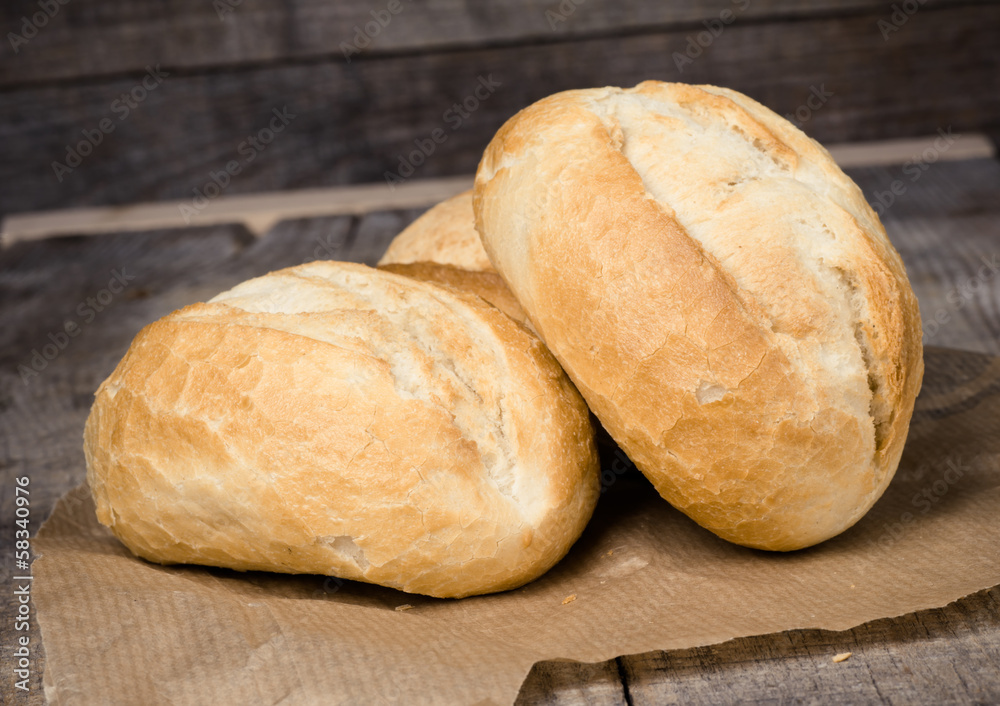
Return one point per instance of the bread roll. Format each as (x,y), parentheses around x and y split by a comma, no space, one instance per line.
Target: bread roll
(486,285)
(334,419)
(721,294)
(446,234)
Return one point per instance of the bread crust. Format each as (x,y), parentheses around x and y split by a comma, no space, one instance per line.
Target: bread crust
(335,419)
(445,234)
(721,294)
(486,285)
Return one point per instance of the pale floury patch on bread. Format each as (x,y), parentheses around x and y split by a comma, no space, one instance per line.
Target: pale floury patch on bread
(721,294)
(446,234)
(335,419)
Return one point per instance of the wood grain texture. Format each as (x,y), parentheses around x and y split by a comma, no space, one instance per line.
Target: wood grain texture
(574,683)
(945,656)
(196,34)
(260,212)
(949,655)
(355,122)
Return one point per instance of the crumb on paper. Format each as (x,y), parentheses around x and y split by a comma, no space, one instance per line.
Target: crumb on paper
(405,606)
(852,585)
(842,657)
(569,599)
(610,552)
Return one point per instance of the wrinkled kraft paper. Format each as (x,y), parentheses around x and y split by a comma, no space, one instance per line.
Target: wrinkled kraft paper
(119,630)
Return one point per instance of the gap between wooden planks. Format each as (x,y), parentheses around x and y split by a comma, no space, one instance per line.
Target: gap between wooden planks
(259,212)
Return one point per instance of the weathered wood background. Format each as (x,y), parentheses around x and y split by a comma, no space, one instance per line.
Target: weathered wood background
(230,63)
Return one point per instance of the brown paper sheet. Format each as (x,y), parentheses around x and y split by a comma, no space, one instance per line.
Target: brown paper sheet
(119,630)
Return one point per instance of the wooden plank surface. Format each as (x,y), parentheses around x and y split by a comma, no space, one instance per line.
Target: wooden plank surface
(943,223)
(259,212)
(355,122)
(945,656)
(192,34)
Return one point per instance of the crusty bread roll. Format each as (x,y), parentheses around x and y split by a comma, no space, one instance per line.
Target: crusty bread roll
(335,419)
(721,294)
(446,234)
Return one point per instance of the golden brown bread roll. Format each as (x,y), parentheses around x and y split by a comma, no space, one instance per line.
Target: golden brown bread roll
(446,234)
(335,419)
(721,294)
(486,285)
